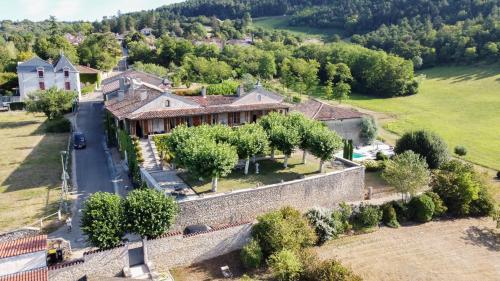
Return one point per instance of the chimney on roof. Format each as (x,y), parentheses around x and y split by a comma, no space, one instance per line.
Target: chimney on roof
(240,91)
(122,84)
(204,92)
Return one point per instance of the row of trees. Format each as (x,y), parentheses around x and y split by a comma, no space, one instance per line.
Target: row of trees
(213,151)
(107,217)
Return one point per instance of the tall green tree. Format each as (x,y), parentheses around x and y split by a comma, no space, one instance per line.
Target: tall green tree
(341,91)
(149,212)
(103,220)
(249,140)
(428,144)
(407,172)
(100,50)
(323,143)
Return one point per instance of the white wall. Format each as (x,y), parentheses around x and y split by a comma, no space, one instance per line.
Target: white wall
(23,263)
(28,82)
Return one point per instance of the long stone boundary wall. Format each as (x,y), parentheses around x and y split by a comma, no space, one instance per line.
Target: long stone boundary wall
(245,205)
(173,249)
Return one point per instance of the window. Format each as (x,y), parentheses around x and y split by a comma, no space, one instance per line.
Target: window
(259,97)
(40,72)
(41,85)
(67,86)
(236,118)
(66,73)
(167,103)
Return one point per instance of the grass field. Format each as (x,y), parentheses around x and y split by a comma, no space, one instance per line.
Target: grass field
(462,104)
(270,172)
(30,170)
(281,23)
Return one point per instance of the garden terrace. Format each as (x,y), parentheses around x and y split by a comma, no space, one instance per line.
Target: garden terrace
(270,172)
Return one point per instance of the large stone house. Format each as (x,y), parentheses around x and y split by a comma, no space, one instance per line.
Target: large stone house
(144,109)
(111,86)
(346,122)
(37,74)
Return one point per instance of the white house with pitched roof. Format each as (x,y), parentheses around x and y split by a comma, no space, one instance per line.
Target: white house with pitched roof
(37,74)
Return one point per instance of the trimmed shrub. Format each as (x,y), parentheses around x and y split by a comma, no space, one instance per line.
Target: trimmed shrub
(421,208)
(251,255)
(332,270)
(343,214)
(389,216)
(373,166)
(17,105)
(429,145)
(285,265)
(227,87)
(460,150)
(484,205)
(369,129)
(402,212)
(59,125)
(439,207)
(368,216)
(283,229)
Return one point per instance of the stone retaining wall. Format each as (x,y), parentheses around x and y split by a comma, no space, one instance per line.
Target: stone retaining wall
(245,205)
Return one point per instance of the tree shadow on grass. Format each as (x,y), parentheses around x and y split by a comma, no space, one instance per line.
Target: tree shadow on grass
(14,125)
(462,73)
(484,237)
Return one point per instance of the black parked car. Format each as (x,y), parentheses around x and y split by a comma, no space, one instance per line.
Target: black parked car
(79,140)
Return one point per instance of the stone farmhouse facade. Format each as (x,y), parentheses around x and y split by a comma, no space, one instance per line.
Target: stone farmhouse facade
(37,74)
(144,109)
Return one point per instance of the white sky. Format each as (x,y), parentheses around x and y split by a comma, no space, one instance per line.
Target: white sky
(71,10)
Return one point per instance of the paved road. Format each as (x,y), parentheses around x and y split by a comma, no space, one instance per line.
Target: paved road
(93,171)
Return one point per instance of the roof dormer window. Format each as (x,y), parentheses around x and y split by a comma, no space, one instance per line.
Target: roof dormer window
(167,103)
(66,72)
(40,72)
(259,98)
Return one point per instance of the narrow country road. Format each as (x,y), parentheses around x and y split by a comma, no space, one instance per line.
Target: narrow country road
(92,168)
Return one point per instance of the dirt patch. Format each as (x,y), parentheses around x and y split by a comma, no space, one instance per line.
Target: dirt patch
(465,249)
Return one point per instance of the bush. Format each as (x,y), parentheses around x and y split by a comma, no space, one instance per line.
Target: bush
(59,125)
(368,216)
(251,255)
(460,150)
(17,105)
(296,99)
(332,270)
(429,145)
(457,184)
(324,224)
(484,205)
(498,175)
(402,212)
(283,229)
(373,166)
(381,156)
(285,265)
(421,208)
(187,92)
(343,214)
(389,216)
(439,207)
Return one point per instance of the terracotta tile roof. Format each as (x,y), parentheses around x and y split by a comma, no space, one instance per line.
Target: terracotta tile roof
(318,110)
(40,274)
(86,70)
(131,102)
(23,246)
(165,113)
(211,100)
(111,87)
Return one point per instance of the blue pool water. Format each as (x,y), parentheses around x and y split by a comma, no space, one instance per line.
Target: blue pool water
(357,155)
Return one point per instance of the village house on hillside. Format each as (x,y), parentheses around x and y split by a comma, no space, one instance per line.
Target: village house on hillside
(346,122)
(143,109)
(111,85)
(37,74)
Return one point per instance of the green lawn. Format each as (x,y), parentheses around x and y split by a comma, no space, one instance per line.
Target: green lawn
(462,104)
(30,170)
(281,23)
(270,172)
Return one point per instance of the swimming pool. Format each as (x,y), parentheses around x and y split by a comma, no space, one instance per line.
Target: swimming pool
(357,155)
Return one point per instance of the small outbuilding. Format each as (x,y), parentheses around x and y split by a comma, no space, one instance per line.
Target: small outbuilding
(345,121)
